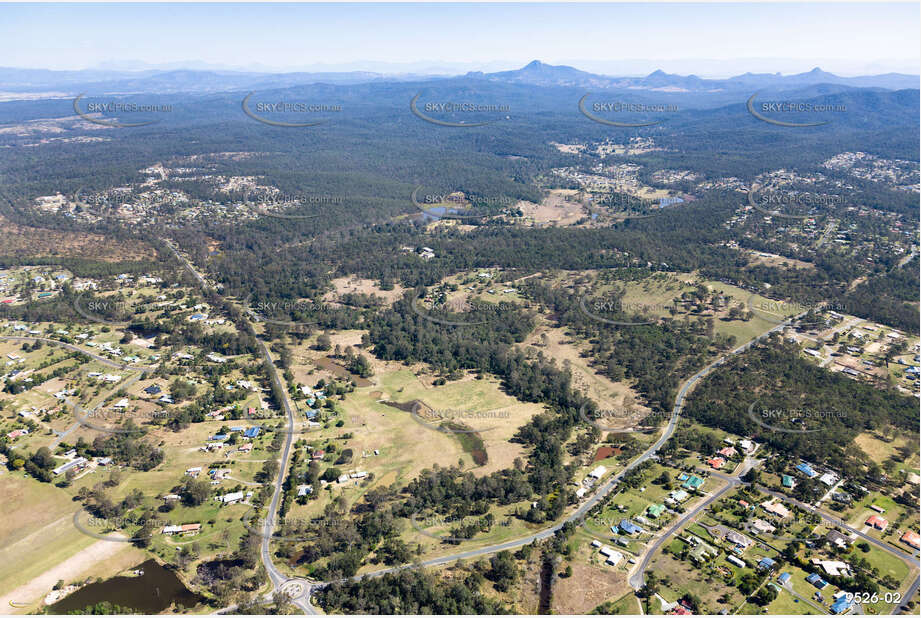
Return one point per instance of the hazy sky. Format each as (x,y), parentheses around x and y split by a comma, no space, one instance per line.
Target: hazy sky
(844,37)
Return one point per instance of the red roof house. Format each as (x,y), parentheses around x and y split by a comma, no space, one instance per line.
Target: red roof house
(877,522)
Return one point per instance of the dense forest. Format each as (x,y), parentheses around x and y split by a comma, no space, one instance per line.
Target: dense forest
(798,408)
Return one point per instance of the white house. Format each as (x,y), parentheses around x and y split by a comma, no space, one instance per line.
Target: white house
(231,498)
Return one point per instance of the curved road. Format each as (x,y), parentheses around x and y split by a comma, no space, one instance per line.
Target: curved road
(70,346)
(280,582)
(605,489)
(278,579)
(638,578)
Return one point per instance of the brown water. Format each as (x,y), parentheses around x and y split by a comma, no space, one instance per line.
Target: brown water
(150,593)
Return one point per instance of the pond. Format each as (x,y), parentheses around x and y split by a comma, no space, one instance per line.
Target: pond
(150,593)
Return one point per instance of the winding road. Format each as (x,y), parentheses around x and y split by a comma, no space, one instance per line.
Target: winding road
(70,346)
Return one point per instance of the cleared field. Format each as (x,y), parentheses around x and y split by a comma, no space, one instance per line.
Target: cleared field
(357,285)
(879,449)
(554,343)
(560,207)
(588,587)
(409,445)
(679,577)
(37,534)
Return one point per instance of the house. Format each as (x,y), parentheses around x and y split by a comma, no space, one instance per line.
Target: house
(843,602)
(613,557)
(16,433)
(183,529)
(727,452)
(880,523)
(829,478)
(762,527)
(655,510)
(807,470)
(214,358)
(877,508)
(678,495)
(304,490)
(787,481)
(317,455)
(703,552)
(358,475)
(121,404)
(693,482)
(580,493)
(79,463)
(193,471)
(816,580)
(776,508)
(766,564)
(911,538)
(747,445)
(833,567)
(784,579)
(736,561)
(716,462)
(171,497)
(218,436)
(628,527)
(246,448)
(153,389)
(231,498)
(598,472)
(252,432)
(343,479)
(739,540)
(837,539)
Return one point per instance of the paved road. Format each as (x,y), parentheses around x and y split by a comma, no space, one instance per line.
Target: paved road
(70,346)
(909,594)
(605,489)
(278,579)
(304,602)
(905,260)
(838,522)
(280,582)
(908,557)
(638,578)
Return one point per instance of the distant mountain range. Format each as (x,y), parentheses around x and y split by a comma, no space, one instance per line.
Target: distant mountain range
(540,74)
(536,73)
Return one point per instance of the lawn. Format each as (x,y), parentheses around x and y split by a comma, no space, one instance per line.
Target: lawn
(786,603)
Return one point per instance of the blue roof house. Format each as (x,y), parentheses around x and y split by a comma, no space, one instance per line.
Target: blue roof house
(842,604)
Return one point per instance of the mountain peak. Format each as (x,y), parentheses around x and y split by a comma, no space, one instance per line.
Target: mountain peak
(534,64)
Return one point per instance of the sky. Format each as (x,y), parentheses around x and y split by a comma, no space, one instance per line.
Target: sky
(707,39)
